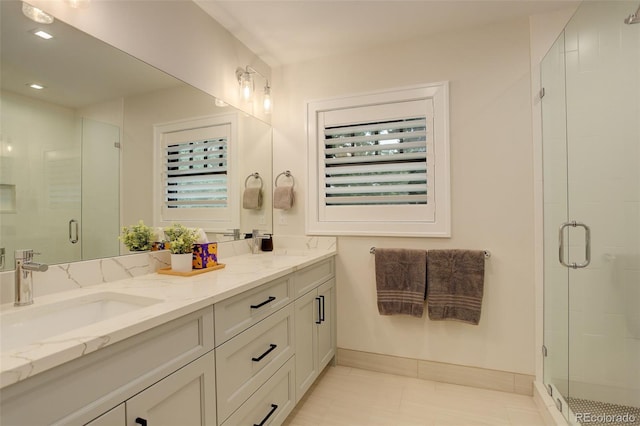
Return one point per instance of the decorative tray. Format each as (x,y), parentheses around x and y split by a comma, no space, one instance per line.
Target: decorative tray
(169,271)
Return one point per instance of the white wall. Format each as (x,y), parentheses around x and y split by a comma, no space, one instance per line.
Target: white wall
(492,189)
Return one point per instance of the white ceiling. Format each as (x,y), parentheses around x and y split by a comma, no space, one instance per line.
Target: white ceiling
(288,31)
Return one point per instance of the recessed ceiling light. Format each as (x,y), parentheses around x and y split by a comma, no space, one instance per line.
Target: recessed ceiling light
(35,86)
(42,34)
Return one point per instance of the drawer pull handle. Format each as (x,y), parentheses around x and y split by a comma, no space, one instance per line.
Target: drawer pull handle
(260,305)
(322,315)
(271,348)
(140,421)
(274,407)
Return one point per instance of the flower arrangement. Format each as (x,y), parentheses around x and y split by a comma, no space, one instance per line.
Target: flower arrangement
(138,237)
(181,238)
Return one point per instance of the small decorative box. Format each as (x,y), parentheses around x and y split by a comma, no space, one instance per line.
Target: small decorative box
(205,255)
(160,245)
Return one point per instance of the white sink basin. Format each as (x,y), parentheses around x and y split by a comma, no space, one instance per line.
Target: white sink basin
(35,323)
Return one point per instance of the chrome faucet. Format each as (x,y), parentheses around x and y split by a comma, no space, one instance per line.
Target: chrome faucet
(25,266)
(257,238)
(235,233)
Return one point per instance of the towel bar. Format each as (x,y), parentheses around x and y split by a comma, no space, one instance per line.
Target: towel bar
(487,253)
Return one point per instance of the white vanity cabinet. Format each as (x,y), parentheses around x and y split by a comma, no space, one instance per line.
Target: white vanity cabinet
(315,334)
(113,417)
(289,331)
(247,359)
(315,322)
(81,390)
(186,397)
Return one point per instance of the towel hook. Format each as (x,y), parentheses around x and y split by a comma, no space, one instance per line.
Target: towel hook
(255,175)
(288,174)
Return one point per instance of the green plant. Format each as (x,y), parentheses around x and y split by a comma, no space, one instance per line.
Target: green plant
(138,237)
(181,239)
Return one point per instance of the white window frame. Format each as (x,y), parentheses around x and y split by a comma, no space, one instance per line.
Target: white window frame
(214,220)
(431,220)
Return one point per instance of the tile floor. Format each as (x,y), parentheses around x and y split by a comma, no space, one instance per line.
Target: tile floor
(351,397)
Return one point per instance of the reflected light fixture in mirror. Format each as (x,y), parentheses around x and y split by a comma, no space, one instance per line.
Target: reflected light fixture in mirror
(247,87)
(42,34)
(35,14)
(267,98)
(78,4)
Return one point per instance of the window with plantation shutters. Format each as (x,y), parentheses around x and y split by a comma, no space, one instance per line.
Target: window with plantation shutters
(378,164)
(195,168)
(195,163)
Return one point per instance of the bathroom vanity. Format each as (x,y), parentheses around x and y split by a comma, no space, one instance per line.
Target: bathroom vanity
(234,346)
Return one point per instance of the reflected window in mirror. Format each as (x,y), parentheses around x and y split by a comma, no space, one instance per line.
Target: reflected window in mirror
(197,163)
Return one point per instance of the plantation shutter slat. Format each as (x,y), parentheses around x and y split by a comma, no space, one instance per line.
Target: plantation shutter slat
(377,162)
(195,168)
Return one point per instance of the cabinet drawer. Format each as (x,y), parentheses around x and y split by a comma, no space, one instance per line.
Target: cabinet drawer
(312,276)
(272,403)
(240,312)
(75,392)
(245,362)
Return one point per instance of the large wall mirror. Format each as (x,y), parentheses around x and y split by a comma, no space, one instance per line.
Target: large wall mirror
(77,156)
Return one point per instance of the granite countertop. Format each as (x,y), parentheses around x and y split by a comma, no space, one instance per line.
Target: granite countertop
(178,296)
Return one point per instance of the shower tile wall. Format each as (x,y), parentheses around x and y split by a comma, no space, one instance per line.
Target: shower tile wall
(603,128)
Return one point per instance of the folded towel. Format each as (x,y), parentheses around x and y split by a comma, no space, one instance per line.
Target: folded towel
(283,197)
(252,198)
(401,281)
(455,282)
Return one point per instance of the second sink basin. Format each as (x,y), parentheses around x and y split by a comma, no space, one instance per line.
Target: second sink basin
(36,323)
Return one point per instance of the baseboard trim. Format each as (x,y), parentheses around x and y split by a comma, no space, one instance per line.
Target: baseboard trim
(438,371)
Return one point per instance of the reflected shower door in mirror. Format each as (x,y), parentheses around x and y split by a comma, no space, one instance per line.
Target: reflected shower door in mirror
(76,160)
(47,162)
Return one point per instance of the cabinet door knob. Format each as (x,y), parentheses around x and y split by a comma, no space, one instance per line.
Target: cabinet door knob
(140,421)
(274,407)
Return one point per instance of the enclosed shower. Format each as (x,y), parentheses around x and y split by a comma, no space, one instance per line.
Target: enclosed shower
(591,162)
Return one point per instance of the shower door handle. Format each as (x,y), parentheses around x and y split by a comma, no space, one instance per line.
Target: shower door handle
(73,239)
(587,245)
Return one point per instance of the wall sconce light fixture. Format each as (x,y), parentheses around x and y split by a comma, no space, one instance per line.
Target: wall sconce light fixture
(247,87)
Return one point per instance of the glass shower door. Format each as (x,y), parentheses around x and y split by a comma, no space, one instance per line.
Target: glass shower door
(596,267)
(603,128)
(555,180)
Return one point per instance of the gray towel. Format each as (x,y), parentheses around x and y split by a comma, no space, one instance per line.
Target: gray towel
(252,198)
(283,197)
(455,284)
(401,281)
